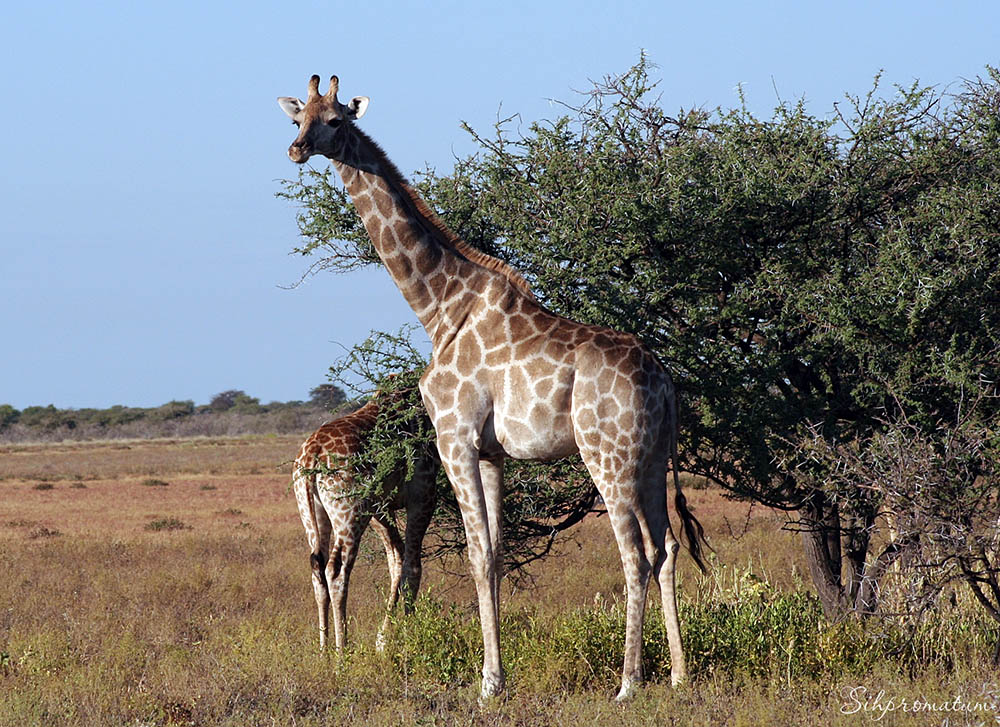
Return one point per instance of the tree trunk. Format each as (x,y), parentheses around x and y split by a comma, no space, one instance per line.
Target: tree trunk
(866,600)
(820,528)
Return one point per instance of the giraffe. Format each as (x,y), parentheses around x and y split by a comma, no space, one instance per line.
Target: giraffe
(335,517)
(509,378)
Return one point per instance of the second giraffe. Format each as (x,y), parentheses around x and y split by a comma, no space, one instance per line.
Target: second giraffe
(335,516)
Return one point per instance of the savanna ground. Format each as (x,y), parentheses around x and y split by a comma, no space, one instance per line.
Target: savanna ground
(166,582)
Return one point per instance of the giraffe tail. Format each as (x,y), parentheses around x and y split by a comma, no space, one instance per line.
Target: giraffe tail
(307,476)
(694,533)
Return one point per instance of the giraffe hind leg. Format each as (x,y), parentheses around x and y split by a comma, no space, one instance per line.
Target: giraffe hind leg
(393,545)
(635,497)
(318,562)
(317,527)
(637,568)
(662,548)
(347,540)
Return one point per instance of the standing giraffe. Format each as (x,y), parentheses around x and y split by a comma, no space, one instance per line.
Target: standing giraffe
(335,516)
(509,378)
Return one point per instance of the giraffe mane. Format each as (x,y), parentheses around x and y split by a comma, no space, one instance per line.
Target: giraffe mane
(422,212)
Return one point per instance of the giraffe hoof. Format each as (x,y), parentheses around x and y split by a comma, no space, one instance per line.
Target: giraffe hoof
(492,687)
(627,691)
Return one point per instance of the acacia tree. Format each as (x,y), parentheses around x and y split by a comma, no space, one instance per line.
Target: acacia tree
(328,396)
(802,276)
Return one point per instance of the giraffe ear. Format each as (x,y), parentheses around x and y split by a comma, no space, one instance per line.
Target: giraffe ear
(290,105)
(356,107)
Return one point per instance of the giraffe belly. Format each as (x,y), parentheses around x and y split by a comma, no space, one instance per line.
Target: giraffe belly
(537,432)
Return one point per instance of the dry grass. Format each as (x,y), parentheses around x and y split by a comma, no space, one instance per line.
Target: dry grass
(104,621)
(115,459)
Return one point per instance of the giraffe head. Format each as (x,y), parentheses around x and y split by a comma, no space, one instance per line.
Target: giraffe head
(320,119)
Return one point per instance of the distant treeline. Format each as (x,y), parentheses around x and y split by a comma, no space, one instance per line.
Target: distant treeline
(231,412)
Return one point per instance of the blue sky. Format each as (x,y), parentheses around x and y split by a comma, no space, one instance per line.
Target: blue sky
(143,252)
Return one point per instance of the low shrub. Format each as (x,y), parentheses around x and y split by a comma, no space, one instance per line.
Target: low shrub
(166,523)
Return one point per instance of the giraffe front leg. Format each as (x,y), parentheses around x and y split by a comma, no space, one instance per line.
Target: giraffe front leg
(477,504)
(491,475)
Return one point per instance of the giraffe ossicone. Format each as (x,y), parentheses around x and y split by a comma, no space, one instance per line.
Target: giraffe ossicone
(509,378)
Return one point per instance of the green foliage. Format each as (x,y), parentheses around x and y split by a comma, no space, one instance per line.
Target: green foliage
(740,626)
(436,643)
(235,400)
(387,366)
(327,395)
(172,410)
(231,412)
(8,415)
(43,417)
(327,221)
(789,270)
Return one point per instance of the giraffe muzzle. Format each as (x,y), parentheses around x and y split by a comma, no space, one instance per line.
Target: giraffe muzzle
(299,153)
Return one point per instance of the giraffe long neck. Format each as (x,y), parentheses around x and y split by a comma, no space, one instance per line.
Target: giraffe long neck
(429,271)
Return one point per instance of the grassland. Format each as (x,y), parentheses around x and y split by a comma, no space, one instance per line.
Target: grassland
(166,583)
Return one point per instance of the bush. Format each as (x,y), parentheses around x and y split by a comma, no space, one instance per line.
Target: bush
(172,410)
(8,415)
(166,523)
(437,643)
(43,417)
(740,626)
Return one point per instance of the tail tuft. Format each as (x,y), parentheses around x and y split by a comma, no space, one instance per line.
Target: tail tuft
(693,531)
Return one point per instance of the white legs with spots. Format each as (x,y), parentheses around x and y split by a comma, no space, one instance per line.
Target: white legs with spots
(478,487)
(648,549)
